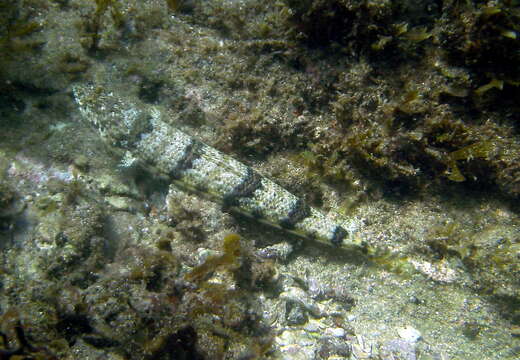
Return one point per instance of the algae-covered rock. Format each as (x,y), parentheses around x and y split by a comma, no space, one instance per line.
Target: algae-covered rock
(398,117)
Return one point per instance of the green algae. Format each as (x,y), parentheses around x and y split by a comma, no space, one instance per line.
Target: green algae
(95,27)
(11,325)
(219,299)
(174,5)
(490,254)
(228,259)
(393,262)
(481,149)
(16,28)
(392,144)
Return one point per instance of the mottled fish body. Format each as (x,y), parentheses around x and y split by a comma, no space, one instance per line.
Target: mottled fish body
(145,137)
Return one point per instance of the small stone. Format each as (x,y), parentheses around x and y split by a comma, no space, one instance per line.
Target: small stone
(351,317)
(286,338)
(399,349)
(113,186)
(312,326)
(295,314)
(297,295)
(82,162)
(119,202)
(409,333)
(336,332)
(279,251)
(334,348)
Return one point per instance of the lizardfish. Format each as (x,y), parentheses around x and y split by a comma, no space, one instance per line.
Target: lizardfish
(140,131)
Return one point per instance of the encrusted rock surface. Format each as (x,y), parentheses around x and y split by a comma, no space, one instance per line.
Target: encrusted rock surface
(395,120)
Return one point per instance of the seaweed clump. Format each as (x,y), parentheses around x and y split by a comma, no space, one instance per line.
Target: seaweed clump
(206,317)
(490,255)
(229,260)
(15,26)
(11,332)
(385,29)
(95,26)
(143,307)
(231,305)
(485,36)
(410,110)
(396,128)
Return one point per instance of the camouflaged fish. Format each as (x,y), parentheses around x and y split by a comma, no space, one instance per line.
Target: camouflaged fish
(144,137)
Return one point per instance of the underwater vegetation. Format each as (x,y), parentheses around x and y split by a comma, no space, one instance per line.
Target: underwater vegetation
(405,113)
(421,121)
(139,304)
(14,343)
(6,199)
(94,27)
(405,96)
(485,37)
(15,26)
(491,255)
(385,122)
(228,260)
(359,25)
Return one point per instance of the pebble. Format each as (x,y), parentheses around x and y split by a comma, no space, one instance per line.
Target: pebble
(311,326)
(279,251)
(409,333)
(336,332)
(119,202)
(299,296)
